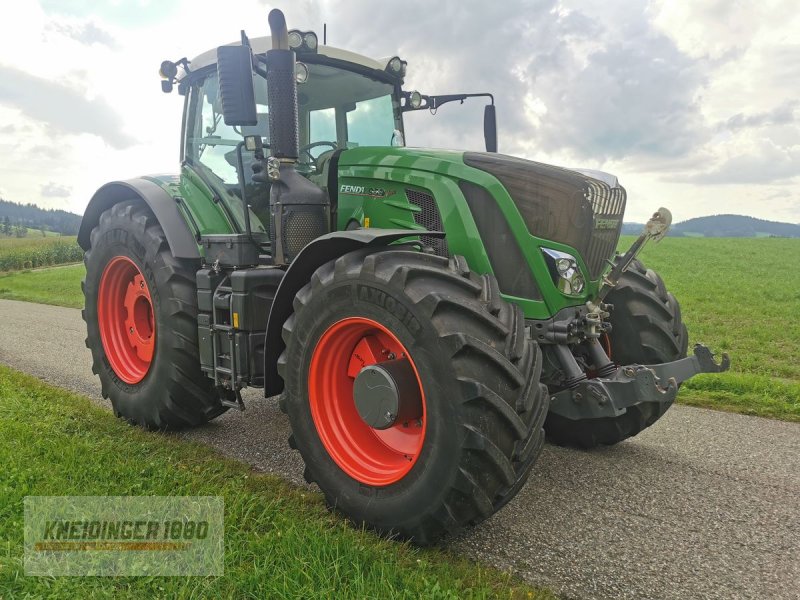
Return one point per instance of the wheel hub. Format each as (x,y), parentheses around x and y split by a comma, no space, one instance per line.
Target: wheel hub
(386,393)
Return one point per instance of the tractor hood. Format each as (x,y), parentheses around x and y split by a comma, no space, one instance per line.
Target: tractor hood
(577,207)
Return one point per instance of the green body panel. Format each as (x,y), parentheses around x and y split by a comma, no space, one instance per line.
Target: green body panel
(372,193)
(372,184)
(205,214)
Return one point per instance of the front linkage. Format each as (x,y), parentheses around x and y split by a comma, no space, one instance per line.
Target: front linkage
(633,385)
(612,390)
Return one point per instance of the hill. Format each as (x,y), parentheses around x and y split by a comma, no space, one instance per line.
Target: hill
(33,217)
(724,226)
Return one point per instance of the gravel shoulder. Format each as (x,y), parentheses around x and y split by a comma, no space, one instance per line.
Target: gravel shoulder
(702,505)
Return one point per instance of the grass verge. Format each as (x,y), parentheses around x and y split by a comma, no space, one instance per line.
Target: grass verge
(280,541)
(55,285)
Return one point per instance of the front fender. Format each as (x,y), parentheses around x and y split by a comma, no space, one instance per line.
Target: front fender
(182,241)
(322,250)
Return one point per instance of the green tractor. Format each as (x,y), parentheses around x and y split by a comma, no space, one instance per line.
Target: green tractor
(426,316)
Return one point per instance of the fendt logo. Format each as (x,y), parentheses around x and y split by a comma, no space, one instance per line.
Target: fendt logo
(361,190)
(606,223)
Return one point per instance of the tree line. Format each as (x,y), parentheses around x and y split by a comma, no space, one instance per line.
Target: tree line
(16,219)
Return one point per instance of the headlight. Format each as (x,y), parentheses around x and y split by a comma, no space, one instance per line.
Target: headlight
(564,271)
(300,72)
(295,40)
(396,66)
(303,41)
(310,40)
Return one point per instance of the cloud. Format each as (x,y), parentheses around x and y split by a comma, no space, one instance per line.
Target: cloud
(55,190)
(87,33)
(780,115)
(768,163)
(593,82)
(62,108)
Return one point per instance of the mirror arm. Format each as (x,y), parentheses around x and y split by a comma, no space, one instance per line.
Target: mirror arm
(434,102)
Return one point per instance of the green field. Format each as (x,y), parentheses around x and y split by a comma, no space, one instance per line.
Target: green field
(280,541)
(55,285)
(740,296)
(38,251)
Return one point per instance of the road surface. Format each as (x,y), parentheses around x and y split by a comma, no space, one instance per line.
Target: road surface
(704,504)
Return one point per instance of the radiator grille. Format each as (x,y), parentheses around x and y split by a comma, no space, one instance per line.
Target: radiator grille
(429,218)
(608,206)
(561,205)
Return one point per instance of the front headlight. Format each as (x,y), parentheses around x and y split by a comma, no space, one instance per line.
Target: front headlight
(565,272)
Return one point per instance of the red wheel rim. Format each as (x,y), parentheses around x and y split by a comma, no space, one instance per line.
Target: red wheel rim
(126,321)
(370,456)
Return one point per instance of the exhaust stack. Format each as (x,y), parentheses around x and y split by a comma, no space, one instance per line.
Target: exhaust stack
(299,210)
(281,91)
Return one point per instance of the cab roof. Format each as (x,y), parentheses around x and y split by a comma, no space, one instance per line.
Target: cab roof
(261,44)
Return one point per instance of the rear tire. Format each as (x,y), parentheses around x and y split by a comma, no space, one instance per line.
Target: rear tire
(646,329)
(166,389)
(479,375)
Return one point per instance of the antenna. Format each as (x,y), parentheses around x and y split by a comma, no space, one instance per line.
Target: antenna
(324,34)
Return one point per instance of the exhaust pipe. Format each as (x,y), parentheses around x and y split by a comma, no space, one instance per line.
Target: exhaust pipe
(281,91)
(299,210)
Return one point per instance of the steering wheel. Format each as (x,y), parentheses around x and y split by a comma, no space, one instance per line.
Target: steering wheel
(309,147)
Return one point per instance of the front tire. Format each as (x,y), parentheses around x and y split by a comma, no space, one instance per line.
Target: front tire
(646,329)
(469,448)
(141,320)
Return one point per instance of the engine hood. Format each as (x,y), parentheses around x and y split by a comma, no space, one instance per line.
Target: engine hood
(580,208)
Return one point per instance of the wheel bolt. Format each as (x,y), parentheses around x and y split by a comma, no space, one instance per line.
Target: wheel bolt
(141,284)
(131,330)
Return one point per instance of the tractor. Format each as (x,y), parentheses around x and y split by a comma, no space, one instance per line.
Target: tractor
(426,317)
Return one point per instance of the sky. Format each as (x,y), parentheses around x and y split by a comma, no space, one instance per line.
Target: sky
(693,104)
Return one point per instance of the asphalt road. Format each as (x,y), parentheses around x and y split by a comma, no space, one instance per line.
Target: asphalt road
(702,505)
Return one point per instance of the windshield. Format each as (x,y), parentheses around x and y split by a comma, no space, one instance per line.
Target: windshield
(337,108)
(344,109)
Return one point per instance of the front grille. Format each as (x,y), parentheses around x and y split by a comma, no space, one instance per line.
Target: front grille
(429,218)
(561,205)
(608,206)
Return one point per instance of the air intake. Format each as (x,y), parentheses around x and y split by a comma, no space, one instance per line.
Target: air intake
(429,218)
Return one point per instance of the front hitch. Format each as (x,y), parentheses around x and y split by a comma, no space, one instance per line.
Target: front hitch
(632,385)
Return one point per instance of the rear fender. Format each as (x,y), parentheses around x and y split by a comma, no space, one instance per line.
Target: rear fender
(181,239)
(322,250)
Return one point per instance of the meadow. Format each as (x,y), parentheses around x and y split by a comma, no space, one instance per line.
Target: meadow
(740,296)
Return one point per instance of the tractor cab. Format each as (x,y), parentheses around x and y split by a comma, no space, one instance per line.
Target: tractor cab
(344,101)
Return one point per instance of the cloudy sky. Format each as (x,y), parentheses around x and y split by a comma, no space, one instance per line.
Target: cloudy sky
(694,104)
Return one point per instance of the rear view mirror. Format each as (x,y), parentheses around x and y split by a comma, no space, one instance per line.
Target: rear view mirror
(235,72)
(490,128)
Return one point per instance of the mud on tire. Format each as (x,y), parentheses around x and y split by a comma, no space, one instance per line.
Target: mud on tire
(479,372)
(174,393)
